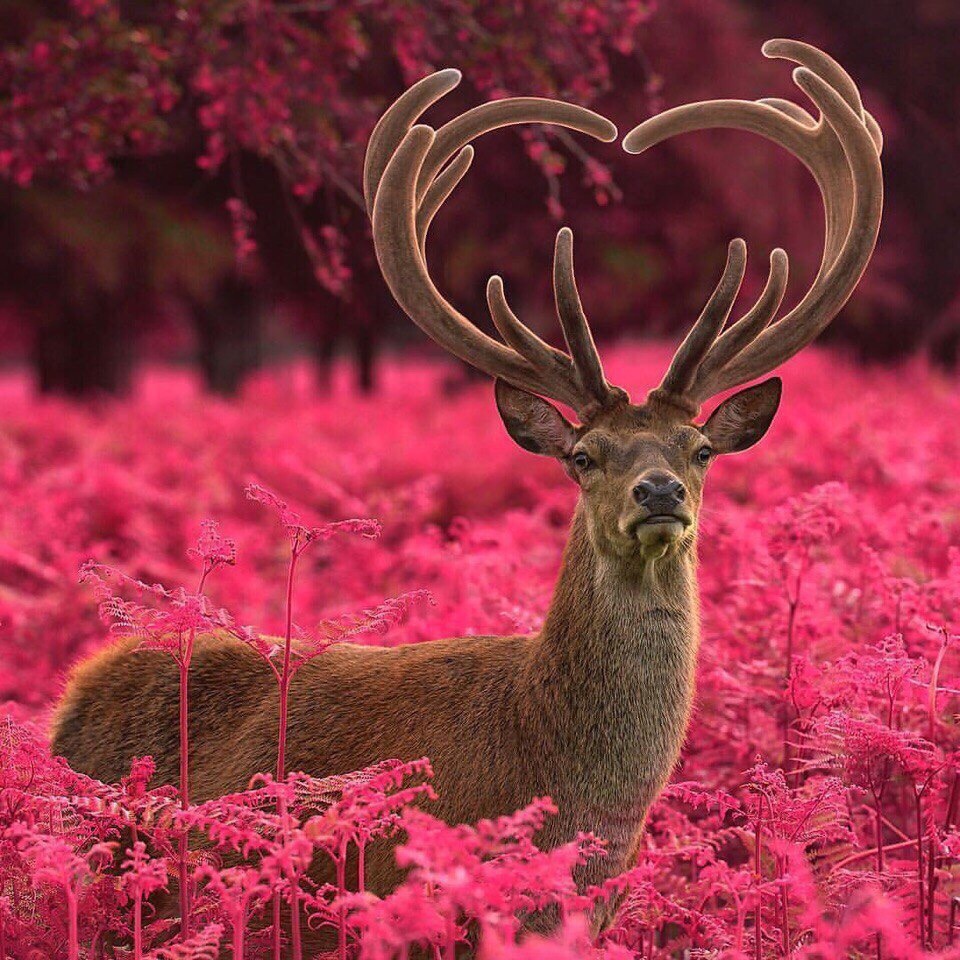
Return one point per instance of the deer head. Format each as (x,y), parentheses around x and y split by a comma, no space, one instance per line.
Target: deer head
(640,467)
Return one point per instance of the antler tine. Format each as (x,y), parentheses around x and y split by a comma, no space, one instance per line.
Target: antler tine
(392,127)
(841,150)
(683,368)
(876,133)
(521,337)
(793,110)
(820,63)
(749,326)
(443,185)
(395,238)
(847,247)
(408,173)
(576,329)
(491,116)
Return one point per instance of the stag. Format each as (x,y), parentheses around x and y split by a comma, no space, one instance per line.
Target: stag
(591,710)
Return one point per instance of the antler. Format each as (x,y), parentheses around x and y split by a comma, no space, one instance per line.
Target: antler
(842,151)
(409,171)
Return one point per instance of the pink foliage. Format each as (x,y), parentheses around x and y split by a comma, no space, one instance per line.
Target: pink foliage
(287,82)
(815,811)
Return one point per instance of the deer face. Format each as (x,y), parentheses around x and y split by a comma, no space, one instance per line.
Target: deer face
(641,469)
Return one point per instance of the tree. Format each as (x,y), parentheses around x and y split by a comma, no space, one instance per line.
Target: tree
(289,90)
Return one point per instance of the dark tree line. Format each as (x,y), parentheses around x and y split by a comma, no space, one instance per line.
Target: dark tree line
(177,165)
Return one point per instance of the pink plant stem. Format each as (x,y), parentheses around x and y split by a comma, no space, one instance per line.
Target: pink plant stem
(73,931)
(450,948)
(361,867)
(791,624)
(738,941)
(295,940)
(277,903)
(282,740)
(863,854)
(341,892)
(785,906)
(275,934)
(947,826)
(793,602)
(758,945)
(878,811)
(286,675)
(239,929)
(921,893)
(138,928)
(878,801)
(932,694)
(182,845)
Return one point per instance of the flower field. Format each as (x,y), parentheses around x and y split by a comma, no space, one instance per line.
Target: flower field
(816,811)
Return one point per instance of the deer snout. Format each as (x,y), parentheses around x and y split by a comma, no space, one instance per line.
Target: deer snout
(659,492)
(657,516)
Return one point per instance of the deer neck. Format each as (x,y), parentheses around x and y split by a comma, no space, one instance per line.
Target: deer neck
(615,667)
(610,609)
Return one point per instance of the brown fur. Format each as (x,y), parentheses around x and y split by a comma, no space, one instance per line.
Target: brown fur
(590,711)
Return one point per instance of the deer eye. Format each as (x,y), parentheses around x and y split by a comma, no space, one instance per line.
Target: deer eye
(703,456)
(581,461)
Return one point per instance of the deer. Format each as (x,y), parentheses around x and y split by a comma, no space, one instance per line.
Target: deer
(591,710)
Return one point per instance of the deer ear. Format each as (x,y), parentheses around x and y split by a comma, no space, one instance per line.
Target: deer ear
(741,420)
(533,423)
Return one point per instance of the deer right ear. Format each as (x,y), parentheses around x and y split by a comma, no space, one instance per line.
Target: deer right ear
(533,423)
(742,419)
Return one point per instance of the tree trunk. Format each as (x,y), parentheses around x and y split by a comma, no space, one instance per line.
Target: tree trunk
(229,336)
(83,350)
(365,342)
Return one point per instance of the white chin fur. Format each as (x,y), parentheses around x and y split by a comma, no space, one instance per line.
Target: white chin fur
(656,538)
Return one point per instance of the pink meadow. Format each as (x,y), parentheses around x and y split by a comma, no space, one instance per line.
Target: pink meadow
(813,813)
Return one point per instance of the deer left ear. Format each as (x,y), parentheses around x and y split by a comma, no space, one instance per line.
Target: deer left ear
(741,420)
(533,423)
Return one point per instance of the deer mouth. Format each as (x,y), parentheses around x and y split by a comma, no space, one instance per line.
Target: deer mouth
(658,533)
(657,529)
(658,518)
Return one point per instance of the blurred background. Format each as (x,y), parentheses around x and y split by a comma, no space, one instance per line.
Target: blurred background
(180,179)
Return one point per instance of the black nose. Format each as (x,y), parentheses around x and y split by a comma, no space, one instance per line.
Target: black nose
(659,492)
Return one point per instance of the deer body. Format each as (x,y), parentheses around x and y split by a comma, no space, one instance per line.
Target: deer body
(592,710)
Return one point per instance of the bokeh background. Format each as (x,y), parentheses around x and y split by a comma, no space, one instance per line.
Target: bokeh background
(179,180)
